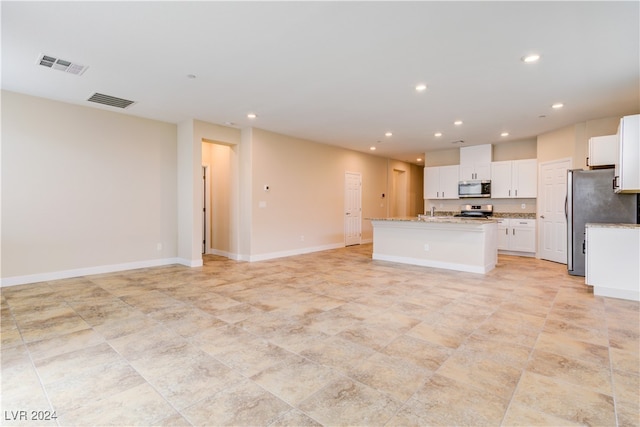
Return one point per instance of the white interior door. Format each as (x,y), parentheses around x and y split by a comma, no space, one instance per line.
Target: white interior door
(552,220)
(352,208)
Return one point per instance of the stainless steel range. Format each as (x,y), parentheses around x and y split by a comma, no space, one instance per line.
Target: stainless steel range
(475,211)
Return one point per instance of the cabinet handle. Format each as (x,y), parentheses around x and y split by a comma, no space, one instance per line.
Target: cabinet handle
(514,231)
(615,182)
(542,216)
(516,193)
(588,161)
(506,231)
(509,193)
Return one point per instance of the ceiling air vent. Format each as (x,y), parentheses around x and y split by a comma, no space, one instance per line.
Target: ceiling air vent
(61,64)
(111,101)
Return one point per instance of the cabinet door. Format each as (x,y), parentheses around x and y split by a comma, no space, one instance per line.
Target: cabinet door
(628,165)
(501,180)
(603,150)
(524,178)
(483,171)
(431,183)
(503,234)
(467,172)
(523,235)
(449,176)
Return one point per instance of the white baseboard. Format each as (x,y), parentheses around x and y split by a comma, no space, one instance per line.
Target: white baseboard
(66,274)
(436,264)
(616,293)
(189,262)
(300,251)
(230,255)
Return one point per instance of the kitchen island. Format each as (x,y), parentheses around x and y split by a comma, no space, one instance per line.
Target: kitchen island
(463,244)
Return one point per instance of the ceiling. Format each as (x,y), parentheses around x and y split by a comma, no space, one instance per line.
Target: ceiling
(340,73)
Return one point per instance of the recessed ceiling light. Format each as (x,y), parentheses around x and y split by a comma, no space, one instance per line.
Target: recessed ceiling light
(372,148)
(252,115)
(457,122)
(557,105)
(191,76)
(388,134)
(421,87)
(534,57)
(504,134)
(437,134)
(418,159)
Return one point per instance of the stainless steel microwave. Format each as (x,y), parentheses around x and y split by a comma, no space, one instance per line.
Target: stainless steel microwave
(469,189)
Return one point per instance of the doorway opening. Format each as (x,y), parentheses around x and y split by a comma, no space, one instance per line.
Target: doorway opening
(216,178)
(399,193)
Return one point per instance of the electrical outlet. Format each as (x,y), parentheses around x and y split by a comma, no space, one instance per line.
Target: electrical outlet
(302,238)
(523,206)
(426,247)
(159,247)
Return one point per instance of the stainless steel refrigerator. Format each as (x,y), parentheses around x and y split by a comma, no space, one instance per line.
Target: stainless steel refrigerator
(590,198)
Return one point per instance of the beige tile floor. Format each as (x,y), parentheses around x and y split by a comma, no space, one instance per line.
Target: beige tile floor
(331,338)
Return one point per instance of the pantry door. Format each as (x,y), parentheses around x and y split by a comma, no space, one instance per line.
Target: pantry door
(352,208)
(551,219)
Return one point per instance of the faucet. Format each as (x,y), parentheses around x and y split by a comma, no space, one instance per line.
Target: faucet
(433,211)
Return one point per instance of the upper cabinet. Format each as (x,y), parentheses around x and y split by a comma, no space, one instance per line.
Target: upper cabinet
(475,162)
(627,166)
(514,179)
(441,182)
(603,150)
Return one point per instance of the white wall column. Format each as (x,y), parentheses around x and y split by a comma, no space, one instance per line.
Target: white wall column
(189,195)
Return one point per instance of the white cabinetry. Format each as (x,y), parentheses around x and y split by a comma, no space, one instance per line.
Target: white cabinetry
(441,182)
(612,253)
(627,173)
(475,162)
(517,235)
(514,179)
(603,150)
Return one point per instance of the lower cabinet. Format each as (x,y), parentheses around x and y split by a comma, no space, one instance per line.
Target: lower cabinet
(517,235)
(612,254)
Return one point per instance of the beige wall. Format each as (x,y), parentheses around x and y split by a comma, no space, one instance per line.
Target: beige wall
(84,188)
(514,150)
(573,141)
(446,157)
(306,192)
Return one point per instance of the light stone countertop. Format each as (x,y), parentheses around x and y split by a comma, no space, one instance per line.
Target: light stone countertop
(604,225)
(437,219)
(516,215)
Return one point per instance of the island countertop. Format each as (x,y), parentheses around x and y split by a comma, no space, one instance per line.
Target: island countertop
(614,225)
(438,219)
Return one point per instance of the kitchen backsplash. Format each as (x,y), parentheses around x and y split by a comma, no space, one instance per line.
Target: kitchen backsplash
(521,215)
(513,207)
